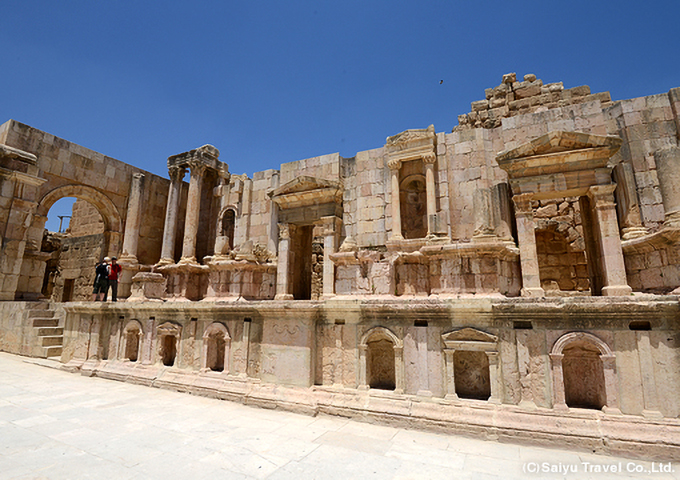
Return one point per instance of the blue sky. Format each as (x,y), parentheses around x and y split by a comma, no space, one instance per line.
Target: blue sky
(271,82)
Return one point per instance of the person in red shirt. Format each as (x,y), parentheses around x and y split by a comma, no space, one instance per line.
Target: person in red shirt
(114,272)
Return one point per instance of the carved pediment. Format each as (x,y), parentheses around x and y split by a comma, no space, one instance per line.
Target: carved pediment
(411,145)
(468,334)
(561,141)
(307,191)
(560,164)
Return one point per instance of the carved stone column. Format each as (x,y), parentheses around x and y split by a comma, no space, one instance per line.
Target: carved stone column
(170,228)
(494,377)
(330,245)
(450,379)
(668,166)
(282,270)
(193,213)
(613,267)
(396,208)
(134,211)
(431,194)
(526,237)
(559,399)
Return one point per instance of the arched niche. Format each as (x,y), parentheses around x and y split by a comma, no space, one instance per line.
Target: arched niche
(584,373)
(413,206)
(381,359)
(132,341)
(216,348)
(168,335)
(472,365)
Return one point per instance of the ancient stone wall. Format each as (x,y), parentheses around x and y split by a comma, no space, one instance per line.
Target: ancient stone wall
(85,220)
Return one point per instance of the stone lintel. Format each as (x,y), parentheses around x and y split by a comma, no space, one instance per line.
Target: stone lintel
(560,141)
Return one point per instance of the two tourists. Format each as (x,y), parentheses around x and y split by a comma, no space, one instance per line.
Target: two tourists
(106,275)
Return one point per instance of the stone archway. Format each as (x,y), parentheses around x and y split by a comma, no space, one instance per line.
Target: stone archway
(584,373)
(34,266)
(390,361)
(133,334)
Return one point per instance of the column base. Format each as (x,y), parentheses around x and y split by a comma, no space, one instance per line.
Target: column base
(652,414)
(536,292)
(283,296)
(165,261)
(188,261)
(616,290)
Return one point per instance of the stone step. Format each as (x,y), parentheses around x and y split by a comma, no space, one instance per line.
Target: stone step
(53,351)
(53,341)
(45,322)
(40,313)
(48,331)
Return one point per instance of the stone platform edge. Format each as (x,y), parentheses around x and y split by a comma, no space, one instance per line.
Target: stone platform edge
(578,429)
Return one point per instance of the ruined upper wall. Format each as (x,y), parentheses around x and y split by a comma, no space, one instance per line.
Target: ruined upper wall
(512,98)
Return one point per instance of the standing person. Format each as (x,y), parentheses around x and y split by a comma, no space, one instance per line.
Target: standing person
(114,271)
(101,280)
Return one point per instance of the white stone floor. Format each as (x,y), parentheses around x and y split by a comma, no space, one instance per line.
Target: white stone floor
(56,425)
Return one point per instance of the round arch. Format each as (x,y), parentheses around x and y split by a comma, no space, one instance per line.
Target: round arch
(103,204)
(567,338)
(381,332)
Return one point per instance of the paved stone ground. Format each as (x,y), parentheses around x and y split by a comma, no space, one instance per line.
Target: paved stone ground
(56,425)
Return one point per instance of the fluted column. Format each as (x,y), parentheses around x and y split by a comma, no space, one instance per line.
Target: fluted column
(526,238)
(282,269)
(193,211)
(396,208)
(170,228)
(430,193)
(133,219)
(613,266)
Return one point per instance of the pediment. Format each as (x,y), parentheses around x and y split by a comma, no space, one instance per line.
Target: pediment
(561,141)
(307,191)
(468,334)
(304,184)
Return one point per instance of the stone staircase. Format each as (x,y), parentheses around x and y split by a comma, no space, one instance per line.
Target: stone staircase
(50,334)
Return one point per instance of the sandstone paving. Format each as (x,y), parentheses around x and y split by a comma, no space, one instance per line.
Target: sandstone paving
(57,425)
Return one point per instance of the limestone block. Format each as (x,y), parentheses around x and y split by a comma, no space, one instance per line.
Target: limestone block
(147,286)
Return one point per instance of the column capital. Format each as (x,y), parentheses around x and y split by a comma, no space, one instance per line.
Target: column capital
(177,173)
(331,225)
(284,231)
(523,203)
(197,167)
(602,195)
(394,163)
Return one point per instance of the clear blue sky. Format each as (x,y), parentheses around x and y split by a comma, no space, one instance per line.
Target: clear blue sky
(270,82)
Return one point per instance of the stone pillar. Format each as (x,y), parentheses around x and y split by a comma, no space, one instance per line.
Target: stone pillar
(423,372)
(526,237)
(559,399)
(649,392)
(149,337)
(431,194)
(282,272)
(170,228)
(363,385)
(399,368)
(494,377)
(668,168)
(222,192)
(396,207)
(330,245)
(613,267)
(133,219)
(450,379)
(193,213)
